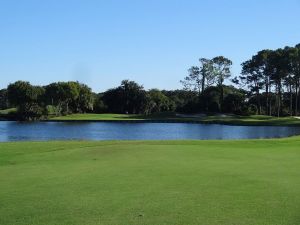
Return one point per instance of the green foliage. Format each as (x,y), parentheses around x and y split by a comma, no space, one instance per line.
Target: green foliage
(99,106)
(129,97)
(273,71)
(180,98)
(85,99)
(27,98)
(221,69)
(51,110)
(30,111)
(210,72)
(210,100)
(22,92)
(252,109)
(158,102)
(269,80)
(69,97)
(4,104)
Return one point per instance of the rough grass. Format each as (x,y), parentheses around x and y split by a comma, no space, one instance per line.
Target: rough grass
(7,114)
(105,116)
(7,111)
(256,120)
(245,182)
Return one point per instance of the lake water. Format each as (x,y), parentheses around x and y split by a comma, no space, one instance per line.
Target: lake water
(25,131)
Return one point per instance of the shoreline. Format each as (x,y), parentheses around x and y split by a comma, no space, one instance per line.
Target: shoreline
(175,121)
(227,123)
(230,120)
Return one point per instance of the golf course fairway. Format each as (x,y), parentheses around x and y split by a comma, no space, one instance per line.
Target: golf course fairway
(246,182)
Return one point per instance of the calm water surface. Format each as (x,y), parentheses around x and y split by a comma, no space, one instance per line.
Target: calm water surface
(20,131)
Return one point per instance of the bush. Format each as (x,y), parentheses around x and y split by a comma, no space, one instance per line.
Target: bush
(252,109)
(51,110)
(29,112)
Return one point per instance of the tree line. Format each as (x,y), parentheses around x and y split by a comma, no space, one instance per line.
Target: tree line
(273,78)
(268,84)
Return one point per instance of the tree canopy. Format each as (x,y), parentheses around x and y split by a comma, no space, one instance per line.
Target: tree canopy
(268,84)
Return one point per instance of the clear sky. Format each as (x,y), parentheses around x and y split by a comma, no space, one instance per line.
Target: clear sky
(153,42)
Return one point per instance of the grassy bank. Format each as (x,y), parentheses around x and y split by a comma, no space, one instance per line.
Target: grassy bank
(217,119)
(253,182)
(5,114)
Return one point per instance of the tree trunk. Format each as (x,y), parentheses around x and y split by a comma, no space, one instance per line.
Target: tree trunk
(296,104)
(267,98)
(199,91)
(258,103)
(270,100)
(203,84)
(279,111)
(221,97)
(291,101)
(278,100)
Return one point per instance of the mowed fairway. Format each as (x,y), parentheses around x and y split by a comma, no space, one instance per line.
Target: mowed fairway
(254,120)
(254,182)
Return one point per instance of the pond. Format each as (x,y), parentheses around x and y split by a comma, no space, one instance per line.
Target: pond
(28,131)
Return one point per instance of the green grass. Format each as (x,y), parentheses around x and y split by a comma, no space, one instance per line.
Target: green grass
(254,120)
(91,116)
(248,182)
(6,114)
(229,119)
(116,117)
(7,111)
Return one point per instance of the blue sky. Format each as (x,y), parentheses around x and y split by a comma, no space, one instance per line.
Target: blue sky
(153,42)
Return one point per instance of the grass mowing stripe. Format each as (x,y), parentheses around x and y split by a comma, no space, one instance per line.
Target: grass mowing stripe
(151,182)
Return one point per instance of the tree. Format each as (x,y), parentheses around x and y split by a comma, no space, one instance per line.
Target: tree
(52,99)
(193,80)
(69,92)
(114,100)
(64,96)
(85,99)
(159,102)
(181,98)
(262,60)
(98,105)
(279,67)
(234,102)
(289,79)
(129,97)
(23,92)
(134,95)
(19,92)
(210,100)
(252,76)
(295,71)
(3,99)
(27,98)
(221,70)
(199,77)
(256,75)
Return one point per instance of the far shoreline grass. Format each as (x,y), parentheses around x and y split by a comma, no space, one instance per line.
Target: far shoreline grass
(255,120)
(169,117)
